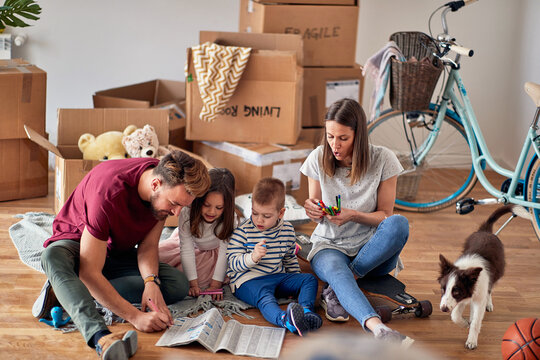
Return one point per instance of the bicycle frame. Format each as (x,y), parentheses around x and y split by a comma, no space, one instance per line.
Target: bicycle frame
(479,150)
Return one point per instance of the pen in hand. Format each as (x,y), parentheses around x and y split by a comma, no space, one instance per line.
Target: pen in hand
(154,307)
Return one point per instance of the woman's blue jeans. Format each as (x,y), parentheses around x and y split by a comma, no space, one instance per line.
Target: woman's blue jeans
(377,257)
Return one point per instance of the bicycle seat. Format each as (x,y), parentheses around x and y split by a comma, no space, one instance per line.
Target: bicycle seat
(533,90)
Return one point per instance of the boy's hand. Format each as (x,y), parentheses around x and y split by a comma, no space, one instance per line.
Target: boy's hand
(259,251)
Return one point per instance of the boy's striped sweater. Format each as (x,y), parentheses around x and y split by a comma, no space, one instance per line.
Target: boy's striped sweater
(280,256)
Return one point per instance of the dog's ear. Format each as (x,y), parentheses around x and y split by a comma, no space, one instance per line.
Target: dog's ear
(472,274)
(446,266)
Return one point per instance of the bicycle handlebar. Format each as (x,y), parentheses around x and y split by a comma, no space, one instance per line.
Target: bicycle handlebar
(462,50)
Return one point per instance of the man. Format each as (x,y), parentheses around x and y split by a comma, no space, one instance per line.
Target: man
(105,247)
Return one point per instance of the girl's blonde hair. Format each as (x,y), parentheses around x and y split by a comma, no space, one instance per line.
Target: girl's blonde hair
(348,112)
(221,181)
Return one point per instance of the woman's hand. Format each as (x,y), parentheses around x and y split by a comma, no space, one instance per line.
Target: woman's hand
(194,289)
(343,217)
(313,211)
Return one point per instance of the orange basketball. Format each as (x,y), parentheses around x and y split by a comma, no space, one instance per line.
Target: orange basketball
(522,340)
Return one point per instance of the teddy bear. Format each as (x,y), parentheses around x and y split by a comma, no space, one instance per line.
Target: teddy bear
(105,146)
(143,142)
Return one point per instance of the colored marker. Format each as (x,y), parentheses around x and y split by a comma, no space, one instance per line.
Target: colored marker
(152,305)
(212,292)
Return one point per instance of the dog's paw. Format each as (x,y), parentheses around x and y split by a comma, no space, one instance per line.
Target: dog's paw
(489,307)
(471,345)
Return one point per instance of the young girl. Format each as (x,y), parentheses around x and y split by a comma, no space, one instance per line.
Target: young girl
(198,246)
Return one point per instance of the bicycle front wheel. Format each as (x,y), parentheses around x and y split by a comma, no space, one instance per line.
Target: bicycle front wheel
(532,192)
(446,174)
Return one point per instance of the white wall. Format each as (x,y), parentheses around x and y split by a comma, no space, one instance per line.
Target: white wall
(92,45)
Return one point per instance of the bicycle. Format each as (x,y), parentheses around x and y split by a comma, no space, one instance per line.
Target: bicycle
(443,150)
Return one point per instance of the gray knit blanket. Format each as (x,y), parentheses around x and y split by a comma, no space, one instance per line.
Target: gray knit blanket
(29,234)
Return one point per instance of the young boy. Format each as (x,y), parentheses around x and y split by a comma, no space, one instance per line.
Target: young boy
(263,264)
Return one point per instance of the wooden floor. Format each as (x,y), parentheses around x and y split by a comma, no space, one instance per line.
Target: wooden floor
(516,296)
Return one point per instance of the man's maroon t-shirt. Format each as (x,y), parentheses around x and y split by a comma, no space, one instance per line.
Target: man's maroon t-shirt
(108,204)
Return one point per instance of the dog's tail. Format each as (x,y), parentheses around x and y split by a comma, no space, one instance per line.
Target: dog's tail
(514,209)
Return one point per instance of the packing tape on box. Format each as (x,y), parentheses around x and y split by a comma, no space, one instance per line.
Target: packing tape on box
(26,90)
(257,159)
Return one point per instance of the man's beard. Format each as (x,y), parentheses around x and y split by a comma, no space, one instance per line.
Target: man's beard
(158,214)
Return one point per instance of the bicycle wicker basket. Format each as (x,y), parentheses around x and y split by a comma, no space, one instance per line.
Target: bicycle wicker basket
(412,82)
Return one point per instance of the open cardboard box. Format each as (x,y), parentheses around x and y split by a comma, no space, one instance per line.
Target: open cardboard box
(328,30)
(70,168)
(265,107)
(162,94)
(251,162)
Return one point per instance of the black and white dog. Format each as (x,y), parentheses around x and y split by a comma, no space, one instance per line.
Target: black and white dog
(470,279)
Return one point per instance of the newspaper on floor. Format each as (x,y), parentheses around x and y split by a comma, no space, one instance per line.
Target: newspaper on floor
(211,331)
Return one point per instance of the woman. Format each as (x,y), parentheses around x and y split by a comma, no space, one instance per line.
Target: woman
(365,238)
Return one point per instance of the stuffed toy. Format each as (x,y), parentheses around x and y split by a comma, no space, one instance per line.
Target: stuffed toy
(143,143)
(57,318)
(105,146)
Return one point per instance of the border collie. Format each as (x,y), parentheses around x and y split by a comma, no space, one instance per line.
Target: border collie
(471,278)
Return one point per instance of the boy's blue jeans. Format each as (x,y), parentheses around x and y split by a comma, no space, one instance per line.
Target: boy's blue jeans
(262,292)
(377,257)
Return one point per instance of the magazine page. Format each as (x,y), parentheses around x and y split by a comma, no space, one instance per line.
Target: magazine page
(251,340)
(204,328)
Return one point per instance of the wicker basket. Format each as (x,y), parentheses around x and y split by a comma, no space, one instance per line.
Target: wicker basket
(407,183)
(412,83)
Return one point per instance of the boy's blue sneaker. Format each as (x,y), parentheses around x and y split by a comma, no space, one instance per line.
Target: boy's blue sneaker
(312,320)
(293,319)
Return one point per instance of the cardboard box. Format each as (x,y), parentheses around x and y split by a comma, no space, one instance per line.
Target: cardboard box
(251,162)
(323,86)
(22,98)
(328,31)
(312,135)
(24,169)
(167,94)
(258,41)
(265,107)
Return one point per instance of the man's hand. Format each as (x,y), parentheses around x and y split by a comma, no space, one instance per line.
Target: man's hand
(259,251)
(153,292)
(150,321)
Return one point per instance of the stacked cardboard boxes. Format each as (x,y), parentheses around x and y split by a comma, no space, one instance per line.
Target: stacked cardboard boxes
(328,29)
(156,94)
(22,101)
(263,111)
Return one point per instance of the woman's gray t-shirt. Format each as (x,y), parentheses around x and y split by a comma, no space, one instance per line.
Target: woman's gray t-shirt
(362,196)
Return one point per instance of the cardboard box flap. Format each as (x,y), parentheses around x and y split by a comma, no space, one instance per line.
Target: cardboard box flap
(143,92)
(264,65)
(258,41)
(41,141)
(102,101)
(263,154)
(142,95)
(72,123)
